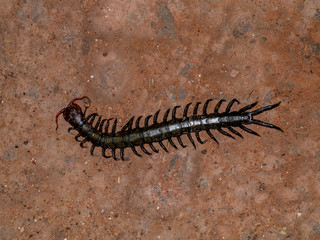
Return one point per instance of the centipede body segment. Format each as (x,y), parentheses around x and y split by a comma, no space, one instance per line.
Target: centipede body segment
(92,128)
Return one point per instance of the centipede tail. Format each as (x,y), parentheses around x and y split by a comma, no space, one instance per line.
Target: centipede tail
(92,128)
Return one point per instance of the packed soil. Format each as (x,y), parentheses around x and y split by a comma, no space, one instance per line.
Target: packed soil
(133,58)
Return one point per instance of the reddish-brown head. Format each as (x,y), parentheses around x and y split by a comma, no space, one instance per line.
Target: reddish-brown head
(73,113)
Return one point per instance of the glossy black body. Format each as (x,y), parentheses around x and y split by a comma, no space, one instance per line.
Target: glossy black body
(132,135)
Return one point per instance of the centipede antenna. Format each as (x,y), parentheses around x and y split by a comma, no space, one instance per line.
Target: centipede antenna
(58,114)
(81,98)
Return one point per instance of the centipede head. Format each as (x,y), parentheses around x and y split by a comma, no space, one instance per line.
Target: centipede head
(73,113)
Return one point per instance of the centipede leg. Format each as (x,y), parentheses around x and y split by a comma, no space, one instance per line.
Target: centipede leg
(128,125)
(172,143)
(165,116)
(211,136)
(92,149)
(106,127)
(225,133)
(191,140)
(146,120)
(216,109)
(114,154)
(235,132)
(114,126)
(205,106)
(104,153)
(264,124)
(92,115)
(248,130)
(185,111)
(263,109)
(248,107)
(230,104)
(77,137)
(122,154)
(163,147)
(199,139)
(145,150)
(195,110)
(82,142)
(71,129)
(137,121)
(135,151)
(174,110)
(98,123)
(101,125)
(153,148)
(180,142)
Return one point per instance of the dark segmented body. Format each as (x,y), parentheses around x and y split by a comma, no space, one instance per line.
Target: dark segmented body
(132,137)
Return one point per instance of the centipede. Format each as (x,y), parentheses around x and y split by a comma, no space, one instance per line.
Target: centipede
(94,129)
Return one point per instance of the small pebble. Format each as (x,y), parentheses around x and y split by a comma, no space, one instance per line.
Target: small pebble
(234,73)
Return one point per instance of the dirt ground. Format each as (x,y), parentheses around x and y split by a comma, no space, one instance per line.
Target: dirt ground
(133,58)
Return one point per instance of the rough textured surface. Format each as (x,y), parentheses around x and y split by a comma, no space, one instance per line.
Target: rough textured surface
(132,58)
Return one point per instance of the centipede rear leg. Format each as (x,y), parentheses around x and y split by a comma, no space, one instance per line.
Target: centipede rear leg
(248,130)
